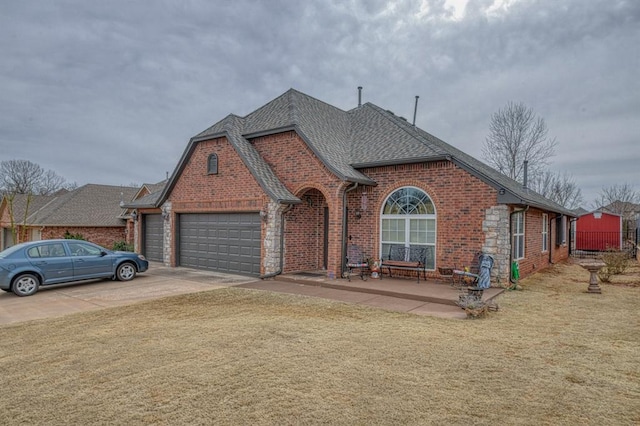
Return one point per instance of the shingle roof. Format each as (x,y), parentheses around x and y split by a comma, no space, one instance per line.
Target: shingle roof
(89,205)
(347,142)
(30,204)
(150,199)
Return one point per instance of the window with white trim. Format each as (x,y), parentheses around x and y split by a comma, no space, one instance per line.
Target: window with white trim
(517,235)
(545,232)
(408,219)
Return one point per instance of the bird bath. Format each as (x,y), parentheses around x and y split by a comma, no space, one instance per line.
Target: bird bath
(593,268)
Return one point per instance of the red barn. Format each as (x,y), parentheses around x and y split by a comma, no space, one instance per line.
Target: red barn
(599,231)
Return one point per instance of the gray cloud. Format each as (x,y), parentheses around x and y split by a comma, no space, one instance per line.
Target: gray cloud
(110,92)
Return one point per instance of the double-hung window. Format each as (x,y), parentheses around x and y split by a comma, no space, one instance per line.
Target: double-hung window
(517,235)
(545,232)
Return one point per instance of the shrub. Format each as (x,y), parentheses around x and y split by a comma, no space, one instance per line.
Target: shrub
(70,236)
(616,261)
(122,246)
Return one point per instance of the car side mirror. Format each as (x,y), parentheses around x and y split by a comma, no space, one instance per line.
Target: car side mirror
(103,253)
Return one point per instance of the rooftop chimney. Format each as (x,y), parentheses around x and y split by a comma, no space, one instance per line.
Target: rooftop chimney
(359,96)
(524,179)
(415,110)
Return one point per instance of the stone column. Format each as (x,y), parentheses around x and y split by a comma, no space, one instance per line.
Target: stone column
(168,234)
(272,233)
(496,241)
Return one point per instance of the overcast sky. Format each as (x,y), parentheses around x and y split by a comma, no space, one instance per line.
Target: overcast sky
(111,91)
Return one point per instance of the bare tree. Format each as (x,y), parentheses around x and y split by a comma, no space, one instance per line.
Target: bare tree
(516,135)
(25,177)
(558,187)
(622,199)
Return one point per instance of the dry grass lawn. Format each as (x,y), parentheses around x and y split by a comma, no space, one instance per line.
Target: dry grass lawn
(552,354)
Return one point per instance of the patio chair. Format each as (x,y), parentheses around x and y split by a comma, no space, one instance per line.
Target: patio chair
(356,261)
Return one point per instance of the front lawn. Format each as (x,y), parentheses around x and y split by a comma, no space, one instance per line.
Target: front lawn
(552,354)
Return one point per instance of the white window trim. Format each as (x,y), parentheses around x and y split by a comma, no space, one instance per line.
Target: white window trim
(519,234)
(545,232)
(408,228)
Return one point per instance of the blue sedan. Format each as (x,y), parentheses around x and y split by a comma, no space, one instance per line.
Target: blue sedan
(25,267)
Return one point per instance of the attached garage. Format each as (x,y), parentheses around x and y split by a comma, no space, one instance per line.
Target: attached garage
(223,242)
(153,236)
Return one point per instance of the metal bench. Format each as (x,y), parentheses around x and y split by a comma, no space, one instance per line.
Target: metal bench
(406,258)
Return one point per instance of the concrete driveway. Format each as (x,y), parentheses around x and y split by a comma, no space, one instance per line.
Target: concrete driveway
(159,281)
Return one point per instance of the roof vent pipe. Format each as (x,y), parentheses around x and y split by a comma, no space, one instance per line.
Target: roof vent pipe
(415,110)
(359,96)
(526,171)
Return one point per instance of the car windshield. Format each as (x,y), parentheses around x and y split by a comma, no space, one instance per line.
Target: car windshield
(9,251)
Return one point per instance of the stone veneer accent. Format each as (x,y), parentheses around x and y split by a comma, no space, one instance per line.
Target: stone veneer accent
(272,233)
(497,241)
(168,234)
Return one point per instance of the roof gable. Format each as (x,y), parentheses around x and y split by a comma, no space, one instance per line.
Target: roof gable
(347,142)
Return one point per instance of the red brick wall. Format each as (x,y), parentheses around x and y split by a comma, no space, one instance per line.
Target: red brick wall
(535,259)
(306,177)
(460,201)
(104,236)
(195,188)
(235,189)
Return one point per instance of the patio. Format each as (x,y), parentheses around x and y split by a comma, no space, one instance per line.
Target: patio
(431,291)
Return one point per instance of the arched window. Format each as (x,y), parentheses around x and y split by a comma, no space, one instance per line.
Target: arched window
(409,219)
(212,164)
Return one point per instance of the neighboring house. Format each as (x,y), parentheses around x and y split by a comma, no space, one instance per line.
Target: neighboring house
(598,231)
(92,211)
(287,187)
(630,213)
(152,238)
(16,211)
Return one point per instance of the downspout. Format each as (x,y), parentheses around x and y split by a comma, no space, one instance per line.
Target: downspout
(279,271)
(571,234)
(511,240)
(344,228)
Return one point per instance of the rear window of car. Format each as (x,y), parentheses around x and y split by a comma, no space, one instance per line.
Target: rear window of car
(47,250)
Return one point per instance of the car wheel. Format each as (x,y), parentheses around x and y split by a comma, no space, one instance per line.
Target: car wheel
(126,272)
(25,285)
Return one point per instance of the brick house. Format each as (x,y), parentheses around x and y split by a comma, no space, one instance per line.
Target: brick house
(93,211)
(287,187)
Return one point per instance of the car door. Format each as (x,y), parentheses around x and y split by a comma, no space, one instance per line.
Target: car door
(89,261)
(52,262)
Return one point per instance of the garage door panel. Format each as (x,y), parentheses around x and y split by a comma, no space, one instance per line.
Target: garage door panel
(225,242)
(153,236)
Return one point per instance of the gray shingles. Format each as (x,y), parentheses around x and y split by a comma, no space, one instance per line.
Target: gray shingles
(346,141)
(89,205)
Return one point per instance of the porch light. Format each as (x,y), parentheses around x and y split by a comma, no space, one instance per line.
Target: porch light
(134,215)
(165,213)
